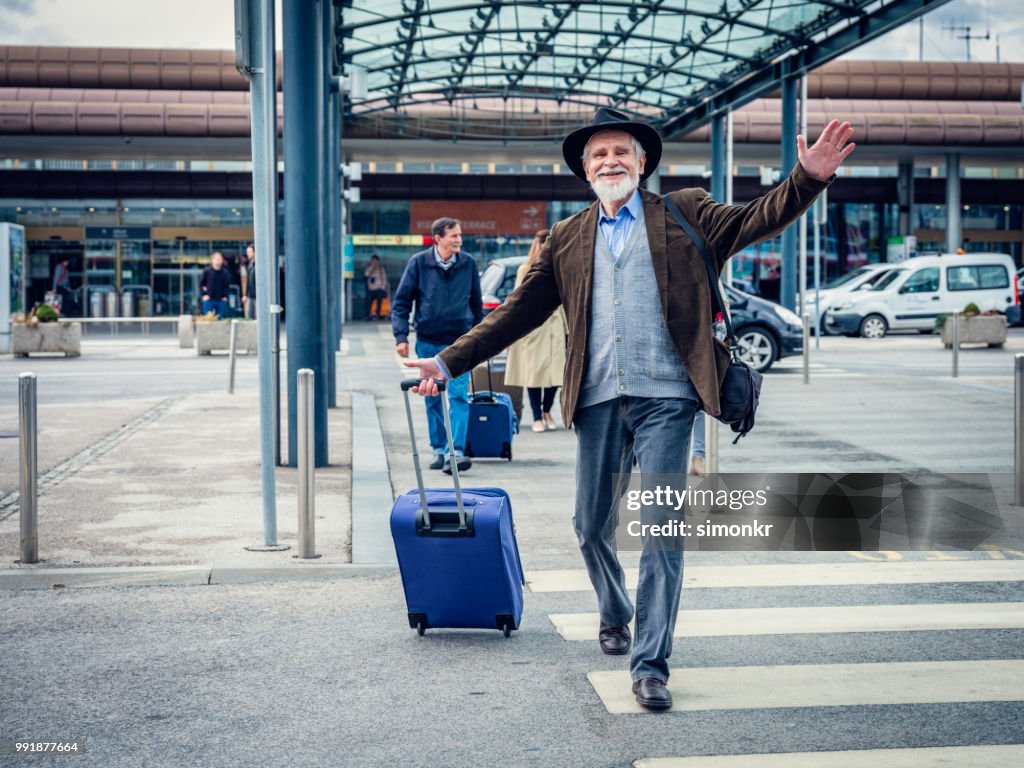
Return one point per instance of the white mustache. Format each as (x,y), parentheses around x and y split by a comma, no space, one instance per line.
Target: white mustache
(610,171)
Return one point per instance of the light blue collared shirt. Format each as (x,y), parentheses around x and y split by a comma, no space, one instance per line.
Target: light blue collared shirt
(616,229)
(445,265)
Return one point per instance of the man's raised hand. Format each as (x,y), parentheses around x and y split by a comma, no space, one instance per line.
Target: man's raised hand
(828,152)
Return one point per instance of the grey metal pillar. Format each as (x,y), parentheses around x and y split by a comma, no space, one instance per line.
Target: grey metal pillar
(263,90)
(334,189)
(905,196)
(729,164)
(954,236)
(654,182)
(718,157)
(329,166)
(787,286)
(719,191)
(303,287)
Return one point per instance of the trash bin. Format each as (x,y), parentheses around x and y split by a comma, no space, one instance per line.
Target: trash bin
(111,300)
(96,304)
(128,304)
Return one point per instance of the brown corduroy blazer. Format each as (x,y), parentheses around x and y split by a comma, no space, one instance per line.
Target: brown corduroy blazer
(563,271)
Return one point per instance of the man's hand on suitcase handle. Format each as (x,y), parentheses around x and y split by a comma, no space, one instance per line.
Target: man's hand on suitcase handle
(429,374)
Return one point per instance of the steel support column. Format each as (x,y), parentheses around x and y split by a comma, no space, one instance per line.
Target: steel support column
(303,288)
(263,90)
(718,169)
(787,285)
(954,237)
(329,169)
(334,190)
(654,182)
(905,196)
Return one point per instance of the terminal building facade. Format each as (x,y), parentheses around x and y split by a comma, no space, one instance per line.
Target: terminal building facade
(133,164)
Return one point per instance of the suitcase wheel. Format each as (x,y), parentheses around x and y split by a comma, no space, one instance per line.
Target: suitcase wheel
(506,451)
(418,621)
(506,624)
(506,629)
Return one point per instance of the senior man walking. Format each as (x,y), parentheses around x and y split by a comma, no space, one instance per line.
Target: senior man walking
(638,367)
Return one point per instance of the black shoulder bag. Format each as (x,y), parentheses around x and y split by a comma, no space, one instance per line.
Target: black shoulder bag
(741,390)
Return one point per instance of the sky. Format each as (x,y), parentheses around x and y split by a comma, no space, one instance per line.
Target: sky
(210,24)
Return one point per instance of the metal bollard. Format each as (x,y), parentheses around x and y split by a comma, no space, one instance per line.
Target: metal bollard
(807,348)
(710,446)
(306,462)
(28,468)
(231,354)
(1018,429)
(956,345)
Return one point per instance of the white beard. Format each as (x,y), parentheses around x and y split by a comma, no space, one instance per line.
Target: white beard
(609,192)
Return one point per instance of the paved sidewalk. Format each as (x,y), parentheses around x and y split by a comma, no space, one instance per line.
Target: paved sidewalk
(175,480)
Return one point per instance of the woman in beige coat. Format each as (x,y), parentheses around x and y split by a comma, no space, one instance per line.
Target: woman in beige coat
(537,361)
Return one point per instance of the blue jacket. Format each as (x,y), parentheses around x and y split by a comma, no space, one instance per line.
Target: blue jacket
(448,301)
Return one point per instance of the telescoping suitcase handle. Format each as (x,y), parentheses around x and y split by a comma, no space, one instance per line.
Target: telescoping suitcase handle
(408,384)
(490,385)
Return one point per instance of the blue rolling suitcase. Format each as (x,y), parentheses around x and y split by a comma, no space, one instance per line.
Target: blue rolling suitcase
(492,423)
(456,550)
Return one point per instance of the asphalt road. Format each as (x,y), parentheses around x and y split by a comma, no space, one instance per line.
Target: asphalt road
(328,672)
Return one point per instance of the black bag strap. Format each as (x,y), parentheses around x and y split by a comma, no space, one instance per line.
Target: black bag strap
(716,292)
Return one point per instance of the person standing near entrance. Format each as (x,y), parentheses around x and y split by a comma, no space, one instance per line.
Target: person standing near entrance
(214,285)
(443,284)
(642,358)
(376,289)
(249,292)
(62,285)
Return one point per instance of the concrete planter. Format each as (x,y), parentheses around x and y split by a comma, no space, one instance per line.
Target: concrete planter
(216,335)
(978,329)
(37,338)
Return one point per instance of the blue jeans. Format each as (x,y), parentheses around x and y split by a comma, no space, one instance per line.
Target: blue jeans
(698,434)
(655,432)
(216,305)
(458,407)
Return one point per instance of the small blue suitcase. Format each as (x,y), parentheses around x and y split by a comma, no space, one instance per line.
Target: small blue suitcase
(492,423)
(457,551)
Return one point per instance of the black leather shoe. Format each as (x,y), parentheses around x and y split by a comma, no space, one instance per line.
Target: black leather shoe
(438,462)
(463,463)
(652,693)
(615,641)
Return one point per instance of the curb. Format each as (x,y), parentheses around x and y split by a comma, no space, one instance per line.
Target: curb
(180,575)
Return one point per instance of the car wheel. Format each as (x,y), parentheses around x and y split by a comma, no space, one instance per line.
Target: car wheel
(873,327)
(757,348)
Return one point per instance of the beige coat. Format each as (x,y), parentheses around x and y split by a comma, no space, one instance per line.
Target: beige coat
(538,359)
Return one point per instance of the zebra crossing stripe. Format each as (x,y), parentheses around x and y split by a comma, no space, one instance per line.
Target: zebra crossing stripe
(994,756)
(805,574)
(823,685)
(828,619)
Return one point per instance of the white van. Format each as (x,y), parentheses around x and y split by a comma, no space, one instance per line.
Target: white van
(911,296)
(860,279)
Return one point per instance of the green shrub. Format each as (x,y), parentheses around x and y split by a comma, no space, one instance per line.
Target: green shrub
(46,313)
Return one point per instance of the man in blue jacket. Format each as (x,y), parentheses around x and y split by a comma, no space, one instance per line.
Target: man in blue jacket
(444,284)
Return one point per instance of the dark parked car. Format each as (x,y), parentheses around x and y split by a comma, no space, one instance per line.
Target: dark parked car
(765,331)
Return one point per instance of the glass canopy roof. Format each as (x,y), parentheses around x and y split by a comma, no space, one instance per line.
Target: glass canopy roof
(466,62)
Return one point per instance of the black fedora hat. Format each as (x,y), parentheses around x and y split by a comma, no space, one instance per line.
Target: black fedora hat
(611,120)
